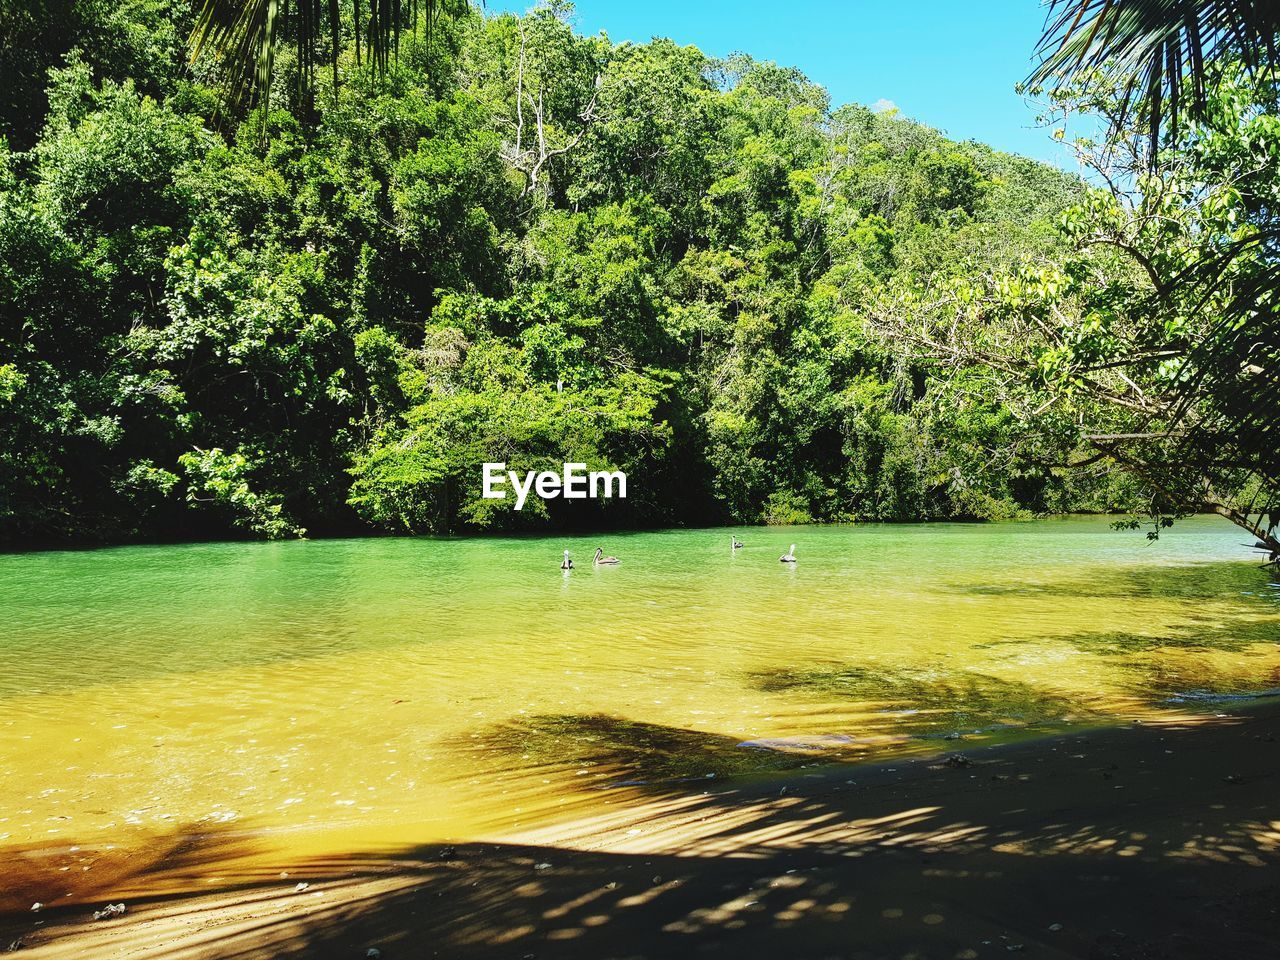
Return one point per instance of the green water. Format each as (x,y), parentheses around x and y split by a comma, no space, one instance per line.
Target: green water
(375,691)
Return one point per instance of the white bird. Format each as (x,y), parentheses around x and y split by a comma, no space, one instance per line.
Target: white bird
(601,558)
(789,556)
(737,544)
(566,563)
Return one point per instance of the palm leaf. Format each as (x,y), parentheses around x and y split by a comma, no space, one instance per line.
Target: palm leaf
(1157,51)
(240,37)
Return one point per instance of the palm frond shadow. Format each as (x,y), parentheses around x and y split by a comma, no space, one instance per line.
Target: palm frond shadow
(1036,854)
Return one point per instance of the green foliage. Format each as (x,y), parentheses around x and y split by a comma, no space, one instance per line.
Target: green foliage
(422,472)
(11,381)
(222,479)
(137,39)
(510,243)
(1150,342)
(243,37)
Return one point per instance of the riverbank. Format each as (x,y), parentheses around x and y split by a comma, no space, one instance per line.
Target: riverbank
(1136,842)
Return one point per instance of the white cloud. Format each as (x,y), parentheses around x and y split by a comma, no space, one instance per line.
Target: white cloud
(883,106)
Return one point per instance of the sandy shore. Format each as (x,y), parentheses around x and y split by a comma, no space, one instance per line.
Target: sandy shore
(1140,842)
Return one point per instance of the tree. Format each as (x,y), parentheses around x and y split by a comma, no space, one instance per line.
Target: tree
(201,336)
(1178,60)
(549,64)
(1155,344)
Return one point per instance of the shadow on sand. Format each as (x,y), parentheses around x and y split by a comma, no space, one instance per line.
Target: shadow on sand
(1142,842)
(1201,581)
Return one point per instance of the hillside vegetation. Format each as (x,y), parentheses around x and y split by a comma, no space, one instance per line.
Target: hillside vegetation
(520,245)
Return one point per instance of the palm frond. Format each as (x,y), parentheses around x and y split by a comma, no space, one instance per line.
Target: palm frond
(238,35)
(1157,51)
(241,36)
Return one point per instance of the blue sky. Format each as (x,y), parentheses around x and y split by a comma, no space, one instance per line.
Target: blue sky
(948,64)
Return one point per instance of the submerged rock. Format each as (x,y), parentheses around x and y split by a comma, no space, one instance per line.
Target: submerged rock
(110,911)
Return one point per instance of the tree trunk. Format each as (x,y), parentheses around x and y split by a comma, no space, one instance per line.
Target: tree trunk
(1266,540)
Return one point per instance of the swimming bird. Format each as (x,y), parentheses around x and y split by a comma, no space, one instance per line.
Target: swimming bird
(566,563)
(737,544)
(601,558)
(789,556)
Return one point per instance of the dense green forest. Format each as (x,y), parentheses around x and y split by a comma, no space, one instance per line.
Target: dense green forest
(517,243)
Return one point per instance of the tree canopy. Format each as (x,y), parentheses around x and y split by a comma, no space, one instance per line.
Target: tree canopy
(513,242)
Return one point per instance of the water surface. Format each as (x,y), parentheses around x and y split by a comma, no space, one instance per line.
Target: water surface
(350,694)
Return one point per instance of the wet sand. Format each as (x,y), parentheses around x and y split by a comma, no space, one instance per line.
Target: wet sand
(1148,841)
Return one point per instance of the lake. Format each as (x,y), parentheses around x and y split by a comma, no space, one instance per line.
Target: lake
(367,694)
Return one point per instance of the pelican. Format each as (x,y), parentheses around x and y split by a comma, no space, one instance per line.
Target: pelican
(737,544)
(566,563)
(789,556)
(601,558)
